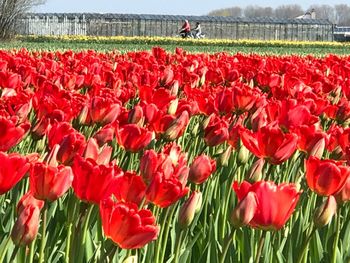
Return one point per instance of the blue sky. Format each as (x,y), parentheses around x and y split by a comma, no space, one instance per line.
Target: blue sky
(174,7)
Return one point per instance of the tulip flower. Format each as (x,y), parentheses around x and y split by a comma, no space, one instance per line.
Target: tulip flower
(132,137)
(201,168)
(149,164)
(164,191)
(26,226)
(274,204)
(104,110)
(127,187)
(72,144)
(343,195)
(11,133)
(189,209)
(216,132)
(91,180)
(270,143)
(324,213)
(12,169)
(127,226)
(325,177)
(48,180)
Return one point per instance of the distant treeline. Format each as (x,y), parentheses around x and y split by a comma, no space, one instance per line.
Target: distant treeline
(337,14)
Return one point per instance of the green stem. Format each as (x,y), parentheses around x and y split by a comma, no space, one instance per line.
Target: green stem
(165,240)
(43,234)
(4,251)
(227,244)
(84,233)
(178,246)
(159,241)
(305,245)
(68,241)
(335,243)
(260,247)
(31,252)
(14,253)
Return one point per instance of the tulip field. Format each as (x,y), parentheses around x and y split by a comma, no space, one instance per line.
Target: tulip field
(158,156)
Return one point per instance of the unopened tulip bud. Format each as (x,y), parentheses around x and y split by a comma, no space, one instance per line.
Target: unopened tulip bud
(205,123)
(194,130)
(189,209)
(175,88)
(255,172)
(318,148)
(173,107)
(177,127)
(26,226)
(243,155)
(201,168)
(84,117)
(244,211)
(136,115)
(131,259)
(324,213)
(225,156)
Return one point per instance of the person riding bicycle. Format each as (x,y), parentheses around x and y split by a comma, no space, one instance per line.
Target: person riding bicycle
(197,30)
(185,29)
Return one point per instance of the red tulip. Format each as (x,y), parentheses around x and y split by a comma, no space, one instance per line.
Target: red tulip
(72,144)
(57,133)
(343,195)
(325,177)
(128,187)
(132,137)
(270,143)
(274,203)
(12,169)
(149,164)
(216,132)
(11,133)
(29,199)
(104,110)
(177,127)
(26,226)
(91,180)
(49,181)
(127,226)
(104,135)
(164,191)
(201,168)
(100,155)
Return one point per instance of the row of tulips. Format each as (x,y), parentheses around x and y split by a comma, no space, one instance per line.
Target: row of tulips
(173,157)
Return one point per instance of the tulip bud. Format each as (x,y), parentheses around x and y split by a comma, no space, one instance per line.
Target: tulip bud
(201,168)
(26,226)
(177,127)
(318,148)
(175,88)
(135,116)
(131,259)
(243,155)
(255,171)
(173,107)
(205,123)
(84,117)
(244,211)
(194,130)
(189,209)
(225,156)
(104,135)
(324,213)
